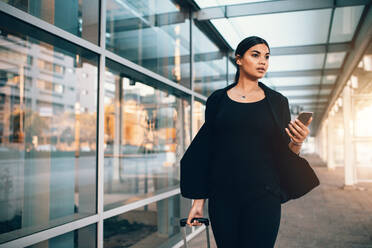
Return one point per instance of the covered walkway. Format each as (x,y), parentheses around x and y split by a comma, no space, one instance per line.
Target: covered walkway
(329,216)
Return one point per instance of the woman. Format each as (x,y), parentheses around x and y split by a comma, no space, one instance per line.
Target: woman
(240,175)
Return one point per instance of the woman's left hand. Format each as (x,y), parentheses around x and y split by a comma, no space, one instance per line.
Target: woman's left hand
(299,130)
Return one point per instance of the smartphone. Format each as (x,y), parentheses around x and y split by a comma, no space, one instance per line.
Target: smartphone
(304,116)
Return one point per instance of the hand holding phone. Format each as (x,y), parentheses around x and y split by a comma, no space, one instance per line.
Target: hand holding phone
(304,117)
(297,130)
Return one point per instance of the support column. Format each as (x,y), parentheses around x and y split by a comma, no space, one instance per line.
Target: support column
(330,135)
(348,151)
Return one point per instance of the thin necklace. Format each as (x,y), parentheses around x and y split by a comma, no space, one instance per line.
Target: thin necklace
(242,96)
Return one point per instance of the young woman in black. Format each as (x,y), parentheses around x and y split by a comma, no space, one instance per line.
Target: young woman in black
(242,180)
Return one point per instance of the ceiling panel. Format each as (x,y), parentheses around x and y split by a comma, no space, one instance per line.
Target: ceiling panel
(295,62)
(345,21)
(280,29)
(289,93)
(325,91)
(285,81)
(329,79)
(305,101)
(334,60)
(312,92)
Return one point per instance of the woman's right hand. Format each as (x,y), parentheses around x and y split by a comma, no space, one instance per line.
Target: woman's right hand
(196,211)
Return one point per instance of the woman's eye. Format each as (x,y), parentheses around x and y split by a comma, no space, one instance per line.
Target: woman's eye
(255,55)
(267,57)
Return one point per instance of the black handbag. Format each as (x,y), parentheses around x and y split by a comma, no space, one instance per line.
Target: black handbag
(297,178)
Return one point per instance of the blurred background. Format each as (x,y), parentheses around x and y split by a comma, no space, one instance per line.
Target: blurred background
(99,99)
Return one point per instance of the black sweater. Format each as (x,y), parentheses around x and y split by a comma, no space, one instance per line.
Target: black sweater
(198,176)
(243,134)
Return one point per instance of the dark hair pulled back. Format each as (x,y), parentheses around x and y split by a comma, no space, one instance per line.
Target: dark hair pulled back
(243,46)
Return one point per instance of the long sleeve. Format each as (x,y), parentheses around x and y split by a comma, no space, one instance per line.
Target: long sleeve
(195,162)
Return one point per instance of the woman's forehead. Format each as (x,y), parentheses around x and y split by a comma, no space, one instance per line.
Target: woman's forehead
(262,48)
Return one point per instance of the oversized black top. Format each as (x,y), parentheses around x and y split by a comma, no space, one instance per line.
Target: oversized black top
(243,135)
(198,175)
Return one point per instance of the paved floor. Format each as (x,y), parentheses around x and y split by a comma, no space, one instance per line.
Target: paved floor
(329,216)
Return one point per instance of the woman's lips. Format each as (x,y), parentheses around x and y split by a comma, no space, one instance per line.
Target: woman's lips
(261,70)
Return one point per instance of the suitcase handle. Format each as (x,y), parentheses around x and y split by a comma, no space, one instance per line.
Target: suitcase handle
(205,221)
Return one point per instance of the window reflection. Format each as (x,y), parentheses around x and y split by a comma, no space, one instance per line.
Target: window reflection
(152,33)
(362,115)
(77,17)
(332,135)
(146,132)
(81,238)
(154,225)
(210,67)
(47,136)
(198,117)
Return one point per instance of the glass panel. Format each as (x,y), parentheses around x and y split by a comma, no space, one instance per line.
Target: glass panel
(154,34)
(363,159)
(48,116)
(296,62)
(77,17)
(214,3)
(329,79)
(305,101)
(338,137)
(198,117)
(279,29)
(146,133)
(231,71)
(345,21)
(325,91)
(210,64)
(362,115)
(290,81)
(334,60)
(81,238)
(154,225)
(362,119)
(289,93)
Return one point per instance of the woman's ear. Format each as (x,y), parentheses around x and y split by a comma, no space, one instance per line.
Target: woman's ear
(237,60)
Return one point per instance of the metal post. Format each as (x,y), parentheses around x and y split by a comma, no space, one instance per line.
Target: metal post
(207,231)
(330,135)
(348,145)
(184,237)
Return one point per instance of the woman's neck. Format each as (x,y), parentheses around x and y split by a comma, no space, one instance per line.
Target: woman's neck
(247,85)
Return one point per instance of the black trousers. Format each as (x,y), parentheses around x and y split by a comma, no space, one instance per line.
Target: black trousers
(244,222)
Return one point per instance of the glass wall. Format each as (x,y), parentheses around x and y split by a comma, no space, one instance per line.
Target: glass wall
(146,132)
(85,237)
(48,115)
(331,135)
(80,18)
(154,34)
(336,122)
(198,116)
(361,80)
(210,66)
(153,225)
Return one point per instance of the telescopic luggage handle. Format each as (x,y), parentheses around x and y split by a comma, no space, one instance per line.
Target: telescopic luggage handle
(204,221)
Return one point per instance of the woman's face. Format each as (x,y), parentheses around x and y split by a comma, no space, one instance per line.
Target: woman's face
(255,61)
